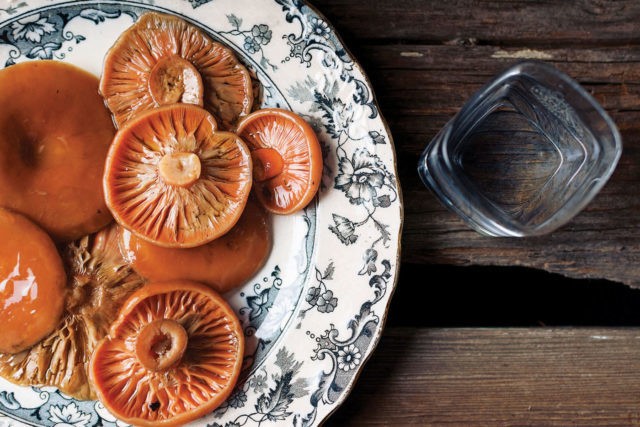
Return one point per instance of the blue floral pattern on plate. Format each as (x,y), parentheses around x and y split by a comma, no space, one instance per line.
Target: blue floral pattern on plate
(314,314)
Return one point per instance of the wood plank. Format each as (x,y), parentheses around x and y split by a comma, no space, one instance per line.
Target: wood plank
(533,376)
(507,22)
(601,242)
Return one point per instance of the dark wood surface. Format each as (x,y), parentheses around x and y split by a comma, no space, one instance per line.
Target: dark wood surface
(425,59)
(465,377)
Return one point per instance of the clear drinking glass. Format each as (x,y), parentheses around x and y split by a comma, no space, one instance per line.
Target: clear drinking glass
(524,155)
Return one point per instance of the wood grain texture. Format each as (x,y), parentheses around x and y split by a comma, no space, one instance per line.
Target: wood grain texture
(499,377)
(528,22)
(426,58)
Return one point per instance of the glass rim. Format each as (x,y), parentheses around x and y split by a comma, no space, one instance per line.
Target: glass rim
(484,215)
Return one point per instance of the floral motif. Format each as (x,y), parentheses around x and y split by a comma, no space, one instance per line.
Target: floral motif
(319,27)
(345,356)
(251,45)
(324,301)
(315,36)
(360,176)
(377,137)
(370,258)
(272,405)
(39,36)
(258,382)
(237,399)
(254,39)
(68,416)
(344,229)
(261,34)
(320,297)
(365,181)
(259,305)
(327,302)
(349,357)
(32,28)
(44,52)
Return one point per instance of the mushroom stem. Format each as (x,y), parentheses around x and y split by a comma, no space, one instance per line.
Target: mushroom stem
(161,344)
(174,79)
(267,163)
(181,169)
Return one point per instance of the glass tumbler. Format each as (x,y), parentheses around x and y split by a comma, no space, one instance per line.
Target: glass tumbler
(524,155)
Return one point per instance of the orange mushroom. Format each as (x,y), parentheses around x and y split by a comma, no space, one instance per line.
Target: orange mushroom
(162,60)
(173,180)
(32,283)
(223,264)
(100,280)
(54,141)
(287,159)
(173,355)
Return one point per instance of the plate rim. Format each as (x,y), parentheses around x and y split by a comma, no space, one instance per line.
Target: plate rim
(357,68)
(384,317)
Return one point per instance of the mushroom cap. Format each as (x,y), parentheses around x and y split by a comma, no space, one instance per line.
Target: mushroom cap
(140,55)
(147,374)
(56,134)
(32,283)
(99,282)
(150,159)
(287,159)
(222,264)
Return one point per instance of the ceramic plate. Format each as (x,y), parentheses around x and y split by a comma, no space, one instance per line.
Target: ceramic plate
(315,312)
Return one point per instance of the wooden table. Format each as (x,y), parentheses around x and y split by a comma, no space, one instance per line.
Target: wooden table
(425,58)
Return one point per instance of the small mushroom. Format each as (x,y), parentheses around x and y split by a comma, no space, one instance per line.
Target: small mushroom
(99,282)
(173,355)
(162,60)
(287,159)
(55,136)
(32,283)
(172,179)
(223,264)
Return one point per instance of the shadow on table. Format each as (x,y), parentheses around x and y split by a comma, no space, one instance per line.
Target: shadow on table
(444,296)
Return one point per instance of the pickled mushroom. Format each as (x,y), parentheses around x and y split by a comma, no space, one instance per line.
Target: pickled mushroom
(287,159)
(172,179)
(161,60)
(32,283)
(55,136)
(223,264)
(100,280)
(173,355)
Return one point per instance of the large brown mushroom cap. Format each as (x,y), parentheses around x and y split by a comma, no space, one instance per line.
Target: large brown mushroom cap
(100,280)
(162,59)
(173,355)
(55,136)
(223,264)
(173,180)
(32,283)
